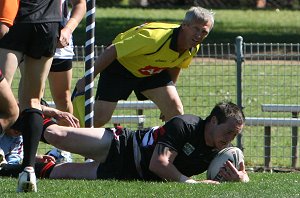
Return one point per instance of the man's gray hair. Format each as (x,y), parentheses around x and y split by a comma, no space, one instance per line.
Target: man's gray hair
(199,14)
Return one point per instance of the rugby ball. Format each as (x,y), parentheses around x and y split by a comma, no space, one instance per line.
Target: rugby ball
(233,154)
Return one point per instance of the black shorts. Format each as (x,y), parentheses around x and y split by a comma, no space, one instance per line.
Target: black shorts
(116,83)
(35,40)
(61,65)
(120,161)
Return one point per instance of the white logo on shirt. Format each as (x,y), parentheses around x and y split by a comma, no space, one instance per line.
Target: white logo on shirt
(188,148)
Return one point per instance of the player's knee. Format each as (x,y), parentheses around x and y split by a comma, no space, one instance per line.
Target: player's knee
(180,110)
(53,136)
(101,121)
(177,111)
(174,112)
(12,117)
(64,105)
(62,101)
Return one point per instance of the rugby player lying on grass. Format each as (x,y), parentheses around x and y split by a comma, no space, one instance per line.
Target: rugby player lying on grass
(176,151)
(11,142)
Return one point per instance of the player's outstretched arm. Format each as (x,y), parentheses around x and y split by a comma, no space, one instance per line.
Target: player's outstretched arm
(102,62)
(162,165)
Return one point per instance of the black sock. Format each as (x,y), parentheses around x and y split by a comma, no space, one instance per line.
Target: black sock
(11,170)
(32,126)
(43,170)
(47,122)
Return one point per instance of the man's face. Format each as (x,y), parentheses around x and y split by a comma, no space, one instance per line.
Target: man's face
(224,133)
(195,33)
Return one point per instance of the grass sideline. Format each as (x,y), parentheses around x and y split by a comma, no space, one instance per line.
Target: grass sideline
(262,26)
(260,185)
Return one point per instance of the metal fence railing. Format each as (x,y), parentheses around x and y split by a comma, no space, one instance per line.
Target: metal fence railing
(270,75)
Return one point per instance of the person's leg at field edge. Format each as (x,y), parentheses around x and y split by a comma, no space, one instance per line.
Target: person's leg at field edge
(165,97)
(167,100)
(86,170)
(60,87)
(93,143)
(10,60)
(103,111)
(34,74)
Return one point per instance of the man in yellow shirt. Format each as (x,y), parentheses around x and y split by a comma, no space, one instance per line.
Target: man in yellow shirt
(147,59)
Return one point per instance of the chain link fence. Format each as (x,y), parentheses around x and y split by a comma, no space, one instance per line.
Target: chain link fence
(269,74)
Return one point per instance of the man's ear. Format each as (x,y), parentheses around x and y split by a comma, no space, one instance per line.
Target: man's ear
(214,120)
(183,25)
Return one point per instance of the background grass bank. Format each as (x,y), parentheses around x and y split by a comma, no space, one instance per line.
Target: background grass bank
(257,26)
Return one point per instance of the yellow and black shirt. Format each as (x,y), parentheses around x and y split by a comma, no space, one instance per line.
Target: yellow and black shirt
(150,48)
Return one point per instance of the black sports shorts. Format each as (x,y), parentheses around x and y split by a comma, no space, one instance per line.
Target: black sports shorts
(116,83)
(32,39)
(120,161)
(61,65)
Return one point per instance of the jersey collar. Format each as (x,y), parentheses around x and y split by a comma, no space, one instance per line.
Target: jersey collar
(173,44)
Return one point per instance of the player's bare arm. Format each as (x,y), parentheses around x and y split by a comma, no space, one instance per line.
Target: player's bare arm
(162,163)
(78,12)
(174,73)
(63,118)
(3,29)
(106,58)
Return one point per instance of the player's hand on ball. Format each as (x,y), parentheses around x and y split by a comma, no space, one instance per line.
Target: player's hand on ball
(230,173)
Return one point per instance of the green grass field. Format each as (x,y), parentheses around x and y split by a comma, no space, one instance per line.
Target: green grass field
(260,185)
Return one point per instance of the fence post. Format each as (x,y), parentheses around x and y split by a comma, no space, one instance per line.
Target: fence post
(294,143)
(239,61)
(89,63)
(267,148)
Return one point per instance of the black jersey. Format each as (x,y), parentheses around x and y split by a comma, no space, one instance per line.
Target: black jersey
(39,11)
(185,135)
